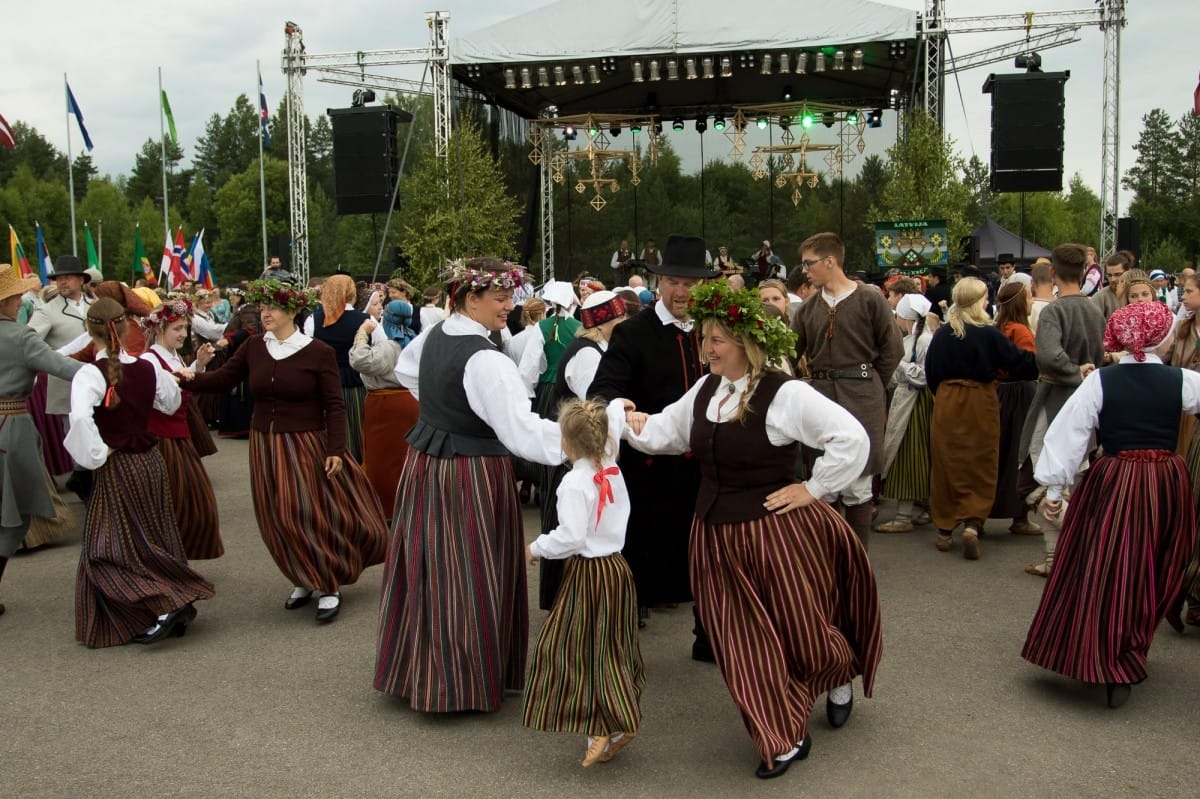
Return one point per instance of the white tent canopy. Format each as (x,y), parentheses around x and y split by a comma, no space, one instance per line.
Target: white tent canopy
(586,29)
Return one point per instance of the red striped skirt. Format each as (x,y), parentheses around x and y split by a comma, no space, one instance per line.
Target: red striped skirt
(587,674)
(132,568)
(321,531)
(454,615)
(1124,546)
(193,499)
(388,415)
(790,605)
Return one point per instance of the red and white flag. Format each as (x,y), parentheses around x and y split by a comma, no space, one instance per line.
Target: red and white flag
(7,139)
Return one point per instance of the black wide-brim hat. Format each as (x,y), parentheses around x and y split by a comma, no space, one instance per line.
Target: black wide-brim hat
(69,265)
(683,256)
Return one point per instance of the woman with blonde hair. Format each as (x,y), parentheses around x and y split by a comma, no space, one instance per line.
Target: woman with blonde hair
(964,361)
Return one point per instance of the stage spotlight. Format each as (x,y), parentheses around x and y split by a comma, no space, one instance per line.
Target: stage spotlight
(785,63)
(719,123)
(593,73)
(897,51)
(510,78)
(701,124)
(761,122)
(766,64)
(839,59)
(637,72)
(787,94)
(689,68)
(785,121)
(820,65)
(543,78)
(802,63)
(560,76)
(672,69)
(828,118)
(577,74)
(635,127)
(806,121)
(615,128)
(894,98)
(852,117)
(526,81)
(726,67)
(706,64)
(569,133)
(677,125)
(654,70)
(875,118)
(856,59)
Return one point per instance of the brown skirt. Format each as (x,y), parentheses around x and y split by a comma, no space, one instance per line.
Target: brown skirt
(192,499)
(964,447)
(388,415)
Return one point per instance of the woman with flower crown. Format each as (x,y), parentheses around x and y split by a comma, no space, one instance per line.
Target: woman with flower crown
(454,615)
(316,511)
(782,584)
(192,495)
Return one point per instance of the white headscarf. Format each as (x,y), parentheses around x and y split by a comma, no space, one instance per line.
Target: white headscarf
(913,307)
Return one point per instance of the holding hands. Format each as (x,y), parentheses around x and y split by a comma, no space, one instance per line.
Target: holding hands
(205,354)
(530,558)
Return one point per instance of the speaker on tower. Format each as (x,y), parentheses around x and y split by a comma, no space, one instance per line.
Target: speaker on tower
(1129,235)
(366,159)
(1027,130)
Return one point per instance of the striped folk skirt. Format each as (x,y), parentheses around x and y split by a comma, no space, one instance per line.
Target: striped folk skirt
(1189,449)
(587,674)
(1126,540)
(193,499)
(388,415)
(355,398)
(46,530)
(321,531)
(791,609)
(1015,397)
(908,477)
(454,615)
(132,568)
(51,428)
(964,448)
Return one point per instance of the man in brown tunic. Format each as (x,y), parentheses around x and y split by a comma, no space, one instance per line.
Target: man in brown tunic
(852,343)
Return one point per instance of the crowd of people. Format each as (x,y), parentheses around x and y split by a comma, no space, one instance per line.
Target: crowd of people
(700,441)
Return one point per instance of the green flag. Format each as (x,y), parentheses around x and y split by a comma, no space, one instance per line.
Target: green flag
(141,262)
(93,260)
(166,107)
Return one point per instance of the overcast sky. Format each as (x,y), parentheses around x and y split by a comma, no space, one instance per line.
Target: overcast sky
(207,50)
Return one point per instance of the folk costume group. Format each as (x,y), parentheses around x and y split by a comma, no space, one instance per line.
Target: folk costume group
(670,443)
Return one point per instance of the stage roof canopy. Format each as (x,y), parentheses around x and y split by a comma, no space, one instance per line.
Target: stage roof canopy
(586,57)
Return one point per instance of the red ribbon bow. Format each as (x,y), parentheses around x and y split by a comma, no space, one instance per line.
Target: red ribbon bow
(606,492)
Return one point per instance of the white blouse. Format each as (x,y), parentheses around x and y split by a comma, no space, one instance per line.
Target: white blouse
(580,371)
(1069,435)
(83,440)
(495,393)
(797,413)
(174,362)
(289,346)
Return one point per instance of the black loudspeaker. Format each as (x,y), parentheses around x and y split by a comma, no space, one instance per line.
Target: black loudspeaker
(366,158)
(1129,235)
(1027,130)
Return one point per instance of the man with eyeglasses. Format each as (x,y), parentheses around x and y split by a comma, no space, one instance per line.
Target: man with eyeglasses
(1112,296)
(853,345)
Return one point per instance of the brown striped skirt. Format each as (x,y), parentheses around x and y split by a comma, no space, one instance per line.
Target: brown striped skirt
(46,530)
(321,531)
(791,608)
(454,615)
(587,674)
(132,568)
(388,415)
(193,500)
(1126,540)
(964,447)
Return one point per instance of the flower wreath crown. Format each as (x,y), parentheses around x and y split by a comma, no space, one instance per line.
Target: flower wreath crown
(741,311)
(169,313)
(280,295)
(459,273)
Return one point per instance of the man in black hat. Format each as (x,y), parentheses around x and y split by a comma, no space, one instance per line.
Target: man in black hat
(653,359)
(60,321)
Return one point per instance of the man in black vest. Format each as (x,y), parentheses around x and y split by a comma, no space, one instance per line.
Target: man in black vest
(653,359)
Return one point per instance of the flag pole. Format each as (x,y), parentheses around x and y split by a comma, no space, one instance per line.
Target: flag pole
(262,180)
(70,175)
(100,243)
(162,136)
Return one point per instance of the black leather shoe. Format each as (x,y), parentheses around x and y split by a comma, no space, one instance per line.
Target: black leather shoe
(329,614)
(836,714)
(297,602)
(80,483)
(702,650)
(1117,693)
(764,772)
(163,628)
(187,617)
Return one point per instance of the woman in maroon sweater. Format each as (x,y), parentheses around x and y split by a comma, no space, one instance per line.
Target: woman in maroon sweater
(317,513)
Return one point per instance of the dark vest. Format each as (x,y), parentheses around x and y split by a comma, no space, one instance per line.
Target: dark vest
(739,466)
(447,427)
(557,333)
(561,390)
(340,336)
(1141,407)
(124,427)
(175,425)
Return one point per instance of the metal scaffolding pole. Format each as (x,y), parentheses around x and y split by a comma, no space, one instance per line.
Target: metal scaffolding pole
(547,202)
(439,66)
(293,67)
(1112,20)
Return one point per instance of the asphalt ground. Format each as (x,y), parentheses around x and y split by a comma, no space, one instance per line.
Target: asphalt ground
(259,702)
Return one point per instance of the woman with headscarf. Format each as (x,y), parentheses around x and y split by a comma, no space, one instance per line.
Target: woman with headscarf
(1129,530)
(335,322)
(390,410)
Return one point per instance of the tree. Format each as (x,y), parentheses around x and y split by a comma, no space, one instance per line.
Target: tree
(237,252)
(34,151)
(977,177)
(82,171)
(1168,255)
(146,178)
(924,179)
(105,210)
(457,207)
(229,143)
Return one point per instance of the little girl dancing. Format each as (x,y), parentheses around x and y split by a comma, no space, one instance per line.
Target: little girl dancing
(587,673)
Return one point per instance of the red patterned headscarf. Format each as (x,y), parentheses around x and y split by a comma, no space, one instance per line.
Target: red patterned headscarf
(1136,327)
